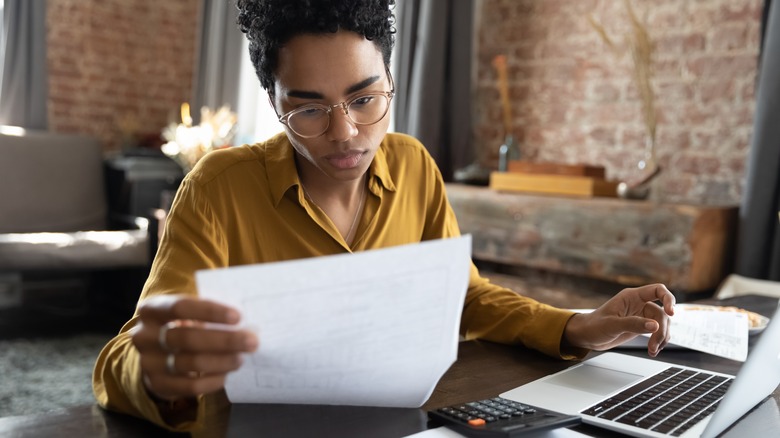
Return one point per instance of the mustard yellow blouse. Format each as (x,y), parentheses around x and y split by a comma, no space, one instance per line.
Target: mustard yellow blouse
(245,205)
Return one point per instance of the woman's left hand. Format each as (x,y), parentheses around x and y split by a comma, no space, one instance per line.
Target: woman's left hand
(628,314)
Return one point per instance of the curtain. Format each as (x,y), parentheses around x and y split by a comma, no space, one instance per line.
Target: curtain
(24,81)
(218,64)
(764,18)
(758,252)
(433,79)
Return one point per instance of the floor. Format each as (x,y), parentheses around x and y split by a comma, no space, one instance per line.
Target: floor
(47,352)
(45,373)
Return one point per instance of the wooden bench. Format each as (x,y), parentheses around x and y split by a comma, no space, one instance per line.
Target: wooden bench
(687,247)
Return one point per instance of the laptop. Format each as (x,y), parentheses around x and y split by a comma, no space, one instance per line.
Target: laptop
(644,397)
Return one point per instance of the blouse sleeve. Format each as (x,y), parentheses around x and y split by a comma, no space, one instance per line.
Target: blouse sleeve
(192,240)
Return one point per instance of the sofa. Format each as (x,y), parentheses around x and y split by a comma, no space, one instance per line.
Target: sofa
(56,231)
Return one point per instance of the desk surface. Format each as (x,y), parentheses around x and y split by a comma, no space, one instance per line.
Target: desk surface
(482,370)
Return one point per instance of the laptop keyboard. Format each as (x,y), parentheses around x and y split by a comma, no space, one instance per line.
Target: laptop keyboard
(669,402)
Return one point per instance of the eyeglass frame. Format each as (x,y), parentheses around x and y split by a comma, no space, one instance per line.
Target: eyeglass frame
(284,118)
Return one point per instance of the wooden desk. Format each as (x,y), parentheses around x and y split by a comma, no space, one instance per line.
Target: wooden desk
(483,370)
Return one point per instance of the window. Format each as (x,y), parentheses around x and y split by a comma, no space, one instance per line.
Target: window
(256,119)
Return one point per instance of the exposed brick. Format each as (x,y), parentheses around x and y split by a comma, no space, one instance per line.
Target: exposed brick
(633,137)
(603,135)
(739,11)
(114,57)
(680,44)
(524,51)
(716,89)
(569,92)
(673,140)
(705,71)
(745,114)
(617,112)
(564,48)
(666,18)
(697,164)
(735,166)
(673,91)
(729,37)
(746,89)
(723,66)
(519,93)
(710,138)
(604,91)
(668,68)
(557,91)
(676,187)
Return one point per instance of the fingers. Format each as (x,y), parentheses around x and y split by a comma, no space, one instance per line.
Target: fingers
(661,334)
(190,365)
(173,387)
(213,340)
(198,365)
(164,308)
(177,323)
(657,292)
(192,336)
(187,346)
(630,320)
(657,342)
(638,325)
(669,301)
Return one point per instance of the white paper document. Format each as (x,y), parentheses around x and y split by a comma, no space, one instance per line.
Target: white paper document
(373,328)
(723,334)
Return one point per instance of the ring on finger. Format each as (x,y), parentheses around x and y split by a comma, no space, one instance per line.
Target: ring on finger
(170,363)
(162,335)
(170,366)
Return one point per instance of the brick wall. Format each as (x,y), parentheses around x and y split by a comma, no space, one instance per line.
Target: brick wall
(119,68)
(574,101)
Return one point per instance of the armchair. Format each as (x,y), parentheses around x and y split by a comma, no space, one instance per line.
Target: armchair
(56,231)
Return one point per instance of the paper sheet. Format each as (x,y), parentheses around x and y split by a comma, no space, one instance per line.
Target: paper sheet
(374,328)
(723,334)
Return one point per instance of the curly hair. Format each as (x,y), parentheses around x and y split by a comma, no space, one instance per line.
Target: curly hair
(269,24)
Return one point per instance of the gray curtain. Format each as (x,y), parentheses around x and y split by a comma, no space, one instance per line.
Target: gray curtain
(218,64)
(758,252)
(24,89)
(433,78)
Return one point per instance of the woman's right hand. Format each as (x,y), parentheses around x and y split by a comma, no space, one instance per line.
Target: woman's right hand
(182,355)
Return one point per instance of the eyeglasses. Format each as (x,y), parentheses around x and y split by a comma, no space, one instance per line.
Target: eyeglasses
(312,120)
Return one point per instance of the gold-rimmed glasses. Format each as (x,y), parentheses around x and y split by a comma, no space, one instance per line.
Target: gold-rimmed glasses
(312,120)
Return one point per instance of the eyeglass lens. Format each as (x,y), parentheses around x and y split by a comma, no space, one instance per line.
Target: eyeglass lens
(363,110)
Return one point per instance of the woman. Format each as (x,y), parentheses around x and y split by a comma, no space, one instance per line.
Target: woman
(334,182)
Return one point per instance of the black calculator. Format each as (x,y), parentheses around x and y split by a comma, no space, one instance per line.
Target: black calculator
(499,417)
